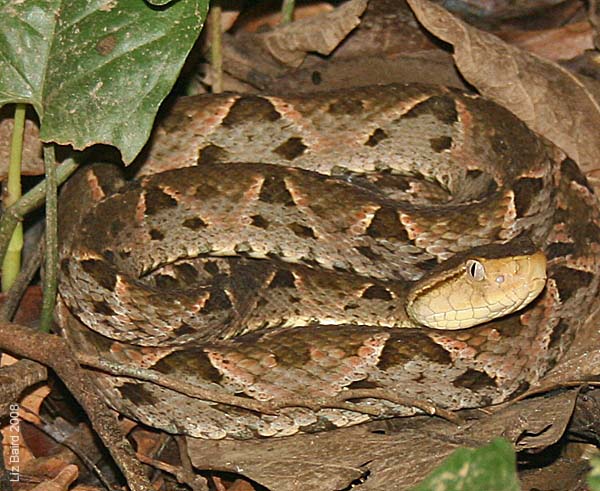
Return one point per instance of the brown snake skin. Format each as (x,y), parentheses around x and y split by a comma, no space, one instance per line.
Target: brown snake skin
(358,194)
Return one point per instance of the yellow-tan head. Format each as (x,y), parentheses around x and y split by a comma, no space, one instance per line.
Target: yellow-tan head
(476,289)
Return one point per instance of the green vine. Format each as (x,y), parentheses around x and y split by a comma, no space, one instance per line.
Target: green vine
(11,264)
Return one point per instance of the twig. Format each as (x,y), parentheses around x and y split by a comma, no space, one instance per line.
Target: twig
(543,389)
(50,280)
(391,396)
(173,384)
(187,475)
(267,407)
(195,481)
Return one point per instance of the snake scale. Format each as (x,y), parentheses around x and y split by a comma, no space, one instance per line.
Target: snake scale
(278,248)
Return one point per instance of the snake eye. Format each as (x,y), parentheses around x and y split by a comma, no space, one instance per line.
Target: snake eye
(475,270)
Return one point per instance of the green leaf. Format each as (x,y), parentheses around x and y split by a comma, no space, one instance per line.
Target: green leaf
(96,71)
(25,33)
(492,468)
(594,475)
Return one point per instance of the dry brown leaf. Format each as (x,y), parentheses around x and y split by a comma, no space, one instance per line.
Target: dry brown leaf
(241,485)
(496,10)
(322,33)
(562,43)
(375,456)
(60,482)
(429,67)
(551,100)
(255,19)
(29,406)
(388,46)
(30,304)
(386,28)
(22,408)
(52,456)
(33,163)
(147,442)
(16,452)
(561,473)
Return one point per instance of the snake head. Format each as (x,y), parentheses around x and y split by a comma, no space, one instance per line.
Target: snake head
(477,288)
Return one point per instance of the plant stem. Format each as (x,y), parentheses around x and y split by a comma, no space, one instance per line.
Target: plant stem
(11,264)
(50,280)
(287,11)
(216,50)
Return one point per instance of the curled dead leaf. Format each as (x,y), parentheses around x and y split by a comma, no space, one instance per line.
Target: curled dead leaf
(550,99)
(322,34)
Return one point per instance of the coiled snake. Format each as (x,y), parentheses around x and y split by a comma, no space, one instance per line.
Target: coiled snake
(380,249)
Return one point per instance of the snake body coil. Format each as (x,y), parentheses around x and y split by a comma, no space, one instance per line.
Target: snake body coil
(384,244)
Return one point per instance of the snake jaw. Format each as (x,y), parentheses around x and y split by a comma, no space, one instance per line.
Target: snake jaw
(479,291)
(536,272)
